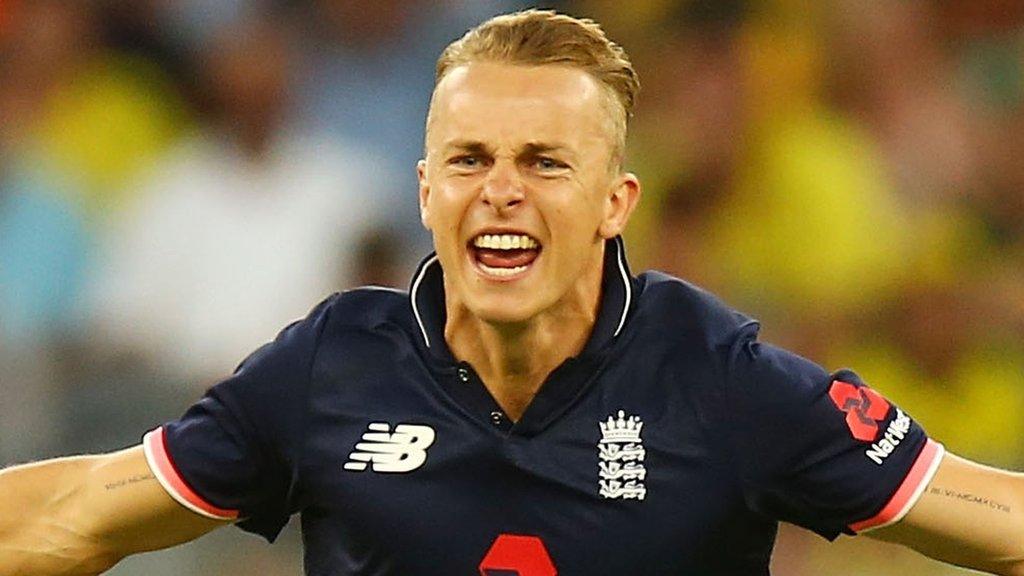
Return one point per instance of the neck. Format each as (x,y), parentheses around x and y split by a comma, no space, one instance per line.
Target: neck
(514,359)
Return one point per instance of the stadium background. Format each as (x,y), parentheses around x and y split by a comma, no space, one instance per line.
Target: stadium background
(180,178)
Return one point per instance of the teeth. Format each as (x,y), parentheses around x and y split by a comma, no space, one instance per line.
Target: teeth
(504,241)
(502,271)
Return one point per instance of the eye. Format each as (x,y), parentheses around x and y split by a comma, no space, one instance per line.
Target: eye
(467,161)
(545,163)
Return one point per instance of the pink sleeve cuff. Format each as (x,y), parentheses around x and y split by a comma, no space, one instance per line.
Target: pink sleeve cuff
(910,490)
(155,447)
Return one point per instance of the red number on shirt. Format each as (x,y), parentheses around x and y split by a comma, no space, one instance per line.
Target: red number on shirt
(514,555)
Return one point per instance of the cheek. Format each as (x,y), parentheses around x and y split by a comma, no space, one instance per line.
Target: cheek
(579,217)
(449,208)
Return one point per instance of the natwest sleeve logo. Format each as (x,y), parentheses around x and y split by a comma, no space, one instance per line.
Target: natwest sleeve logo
(864,408)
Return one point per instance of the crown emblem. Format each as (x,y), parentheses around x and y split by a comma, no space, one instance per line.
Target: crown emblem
(621,455)
(621,429)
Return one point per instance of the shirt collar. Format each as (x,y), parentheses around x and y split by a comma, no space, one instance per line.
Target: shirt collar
(618,289)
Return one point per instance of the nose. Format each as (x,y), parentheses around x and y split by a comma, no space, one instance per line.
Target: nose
(503,187)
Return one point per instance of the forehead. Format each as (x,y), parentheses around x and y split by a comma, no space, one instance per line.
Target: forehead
(488,101)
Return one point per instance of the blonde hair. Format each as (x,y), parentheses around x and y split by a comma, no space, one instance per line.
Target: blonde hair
(540,37)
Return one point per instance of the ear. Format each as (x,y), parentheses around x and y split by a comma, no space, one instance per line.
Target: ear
(424,193)
(619,204)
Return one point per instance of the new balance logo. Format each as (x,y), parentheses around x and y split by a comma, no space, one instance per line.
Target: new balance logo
(403,450)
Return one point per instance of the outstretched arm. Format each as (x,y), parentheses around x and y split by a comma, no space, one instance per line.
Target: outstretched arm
(81,515)
(969,515)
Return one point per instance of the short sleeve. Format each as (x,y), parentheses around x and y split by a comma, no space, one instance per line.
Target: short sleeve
(823,451)
(234,454)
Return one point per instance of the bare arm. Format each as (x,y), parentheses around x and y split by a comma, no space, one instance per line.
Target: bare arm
(969,515)
(81,515)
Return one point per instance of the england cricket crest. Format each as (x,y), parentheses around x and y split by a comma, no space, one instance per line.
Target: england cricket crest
(621,453)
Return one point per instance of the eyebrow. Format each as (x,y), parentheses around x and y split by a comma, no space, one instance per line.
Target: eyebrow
(528,150)
(535,148)
(470,146)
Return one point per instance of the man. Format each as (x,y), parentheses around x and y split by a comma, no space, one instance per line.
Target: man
(529,407)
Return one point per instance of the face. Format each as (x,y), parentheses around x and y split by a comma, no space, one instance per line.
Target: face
(517,188)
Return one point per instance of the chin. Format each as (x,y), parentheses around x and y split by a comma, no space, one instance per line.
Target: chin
(495,309)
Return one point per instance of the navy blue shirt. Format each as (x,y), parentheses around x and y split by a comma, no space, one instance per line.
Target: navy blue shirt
(672,444)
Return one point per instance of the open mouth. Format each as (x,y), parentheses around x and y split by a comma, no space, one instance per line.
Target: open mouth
(504,255)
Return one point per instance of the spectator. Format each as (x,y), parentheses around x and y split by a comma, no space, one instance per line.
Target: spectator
(242,225)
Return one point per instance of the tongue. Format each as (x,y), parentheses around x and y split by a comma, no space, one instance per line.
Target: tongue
(505,258)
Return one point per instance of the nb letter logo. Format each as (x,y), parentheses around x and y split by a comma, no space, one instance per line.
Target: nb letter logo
(403,450)
(863,406)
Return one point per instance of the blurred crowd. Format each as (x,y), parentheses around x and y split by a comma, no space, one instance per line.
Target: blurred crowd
(179,179)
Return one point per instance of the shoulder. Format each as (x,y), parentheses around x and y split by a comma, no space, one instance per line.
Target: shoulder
(689,315)
(692,336)
(359,310)
(698,323)
(367,308)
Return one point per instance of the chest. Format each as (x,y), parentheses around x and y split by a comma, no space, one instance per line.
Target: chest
(623,479)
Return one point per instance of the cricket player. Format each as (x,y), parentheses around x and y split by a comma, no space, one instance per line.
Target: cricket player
(529,406)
